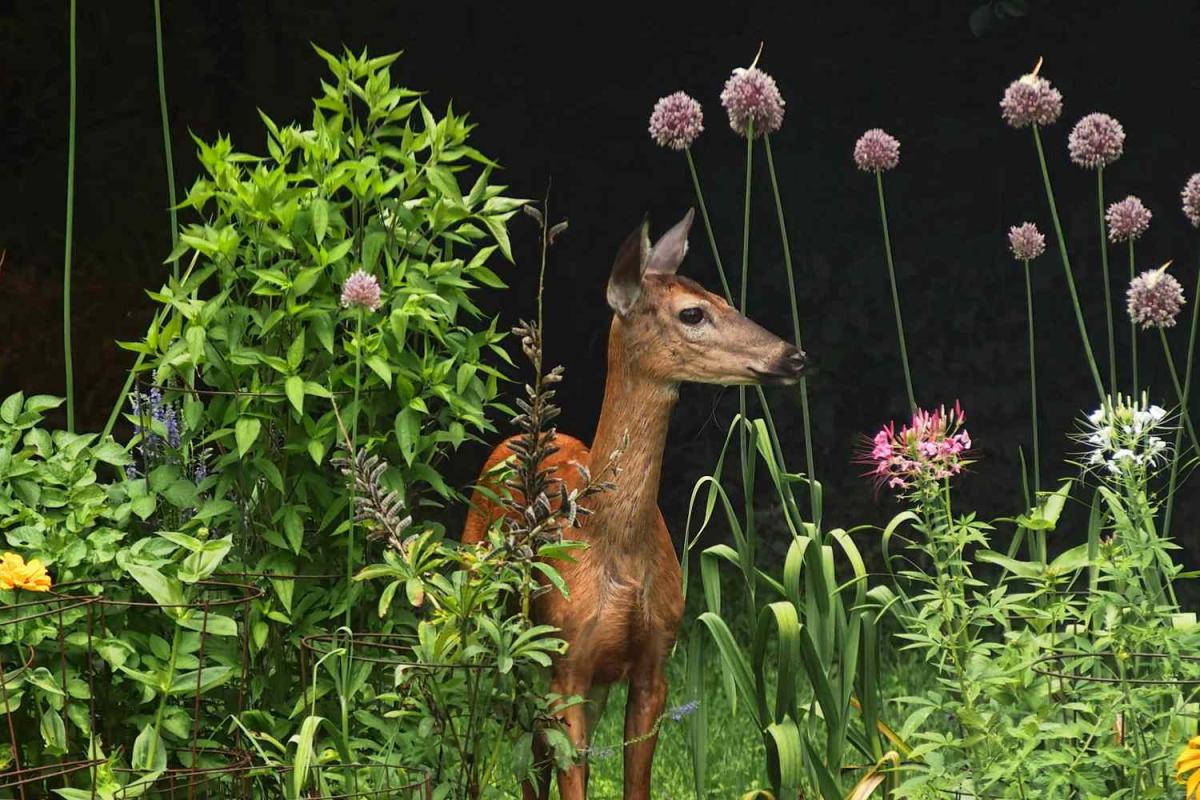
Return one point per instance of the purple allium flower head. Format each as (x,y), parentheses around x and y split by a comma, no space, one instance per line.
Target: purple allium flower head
(1155,298)
(1127,220)
(676,121)
(876,151)
(1026,241)
(751,96)
(1096,141)
(361,291)
(1031,100)
(1191,200)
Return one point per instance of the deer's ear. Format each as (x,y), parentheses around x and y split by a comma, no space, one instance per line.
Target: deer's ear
(625,282)
(669,251)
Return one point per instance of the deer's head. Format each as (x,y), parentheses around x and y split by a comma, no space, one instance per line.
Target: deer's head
(674,330)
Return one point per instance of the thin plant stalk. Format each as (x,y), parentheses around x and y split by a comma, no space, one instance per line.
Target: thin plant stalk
(1187,386)
(1066,262)
(814,500)
(358,348)
(887,247)
(67,359)
(1133,328)
(1181,390)
(166,131)
(1033,392)
(1108,306)
(743,445)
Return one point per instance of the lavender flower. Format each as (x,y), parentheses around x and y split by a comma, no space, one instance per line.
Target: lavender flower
(361,291)
(1155,298)
(877,151)
(1026,241)
(1191,200)
(676,121)
(1096,141)
(751,97)
(678,713)
(1127,220)
(1031,100)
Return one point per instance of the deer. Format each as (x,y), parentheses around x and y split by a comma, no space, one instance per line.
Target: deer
(624,602)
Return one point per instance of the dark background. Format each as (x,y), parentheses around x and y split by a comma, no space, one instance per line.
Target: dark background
(564,92)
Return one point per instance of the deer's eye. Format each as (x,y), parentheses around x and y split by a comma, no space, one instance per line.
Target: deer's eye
(691,316)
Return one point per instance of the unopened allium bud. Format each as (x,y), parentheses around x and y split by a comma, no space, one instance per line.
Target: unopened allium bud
(676,121)
(1026,241)
(877,151)
(1191,200)
(1096,141)
(1127,220)
(1155,299)
(361,291)
(750,97)
(1031,100)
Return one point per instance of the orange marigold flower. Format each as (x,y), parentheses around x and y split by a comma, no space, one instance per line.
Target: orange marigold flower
(16,574)
(1189,762)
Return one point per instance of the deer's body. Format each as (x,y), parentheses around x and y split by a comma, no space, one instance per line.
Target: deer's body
(625,600)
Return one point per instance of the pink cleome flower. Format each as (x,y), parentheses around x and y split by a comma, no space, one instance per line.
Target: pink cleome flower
(930,449)
(676,121)
(361,291)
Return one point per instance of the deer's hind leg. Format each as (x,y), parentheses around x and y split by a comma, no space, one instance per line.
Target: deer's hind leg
(643,713)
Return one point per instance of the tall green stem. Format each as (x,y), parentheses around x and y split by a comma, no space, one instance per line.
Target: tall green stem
(67,359)
(358,348)
(1177,456)
(814,499)
(1108,307)
(1136,388)
(166,131)
(743,446)
(887,247)
(1181,390)
(1066,262)
(1033,393)
(712,242)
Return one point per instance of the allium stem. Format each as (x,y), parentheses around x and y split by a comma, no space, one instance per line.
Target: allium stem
(814,498)
(743,445)
(358,347)
(1033,392)
(67,359)
(166,131)
(1133,338)
(1181,390)
(887,247)
(712,242)
(1108,308)
(1187,387)
(1066,262)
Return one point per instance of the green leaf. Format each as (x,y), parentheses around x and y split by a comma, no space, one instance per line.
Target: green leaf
(246,431)
(199,680)
(408,433)
(149,751)
(295,392)
(11,407)
(320,218)
(167,592)
(111,453)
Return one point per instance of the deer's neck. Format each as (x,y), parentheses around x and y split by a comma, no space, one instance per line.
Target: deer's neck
(634,419)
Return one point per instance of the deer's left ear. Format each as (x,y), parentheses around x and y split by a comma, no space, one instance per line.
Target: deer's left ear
(625,282)
(668,252)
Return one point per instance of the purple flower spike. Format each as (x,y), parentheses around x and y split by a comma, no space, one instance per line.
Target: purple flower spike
(361,291)
(1031,100)
(676,121)
(1191,200)
(1155,298)
(1026,241)
(751,97)
(877,151)
(1096,141)
(1127,220)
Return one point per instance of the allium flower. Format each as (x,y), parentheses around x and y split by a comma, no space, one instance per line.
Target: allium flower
(1155,298)
(361,291)
(1096,141)
(1127,220)
(16,574)
(751,96)
(676,121)
(1026,241)
(1191,200)
(1188,761)
(923,453)
(1031,101)
(876,151)
(1123,438)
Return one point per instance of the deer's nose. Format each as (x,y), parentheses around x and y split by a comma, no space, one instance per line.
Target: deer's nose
(793,362)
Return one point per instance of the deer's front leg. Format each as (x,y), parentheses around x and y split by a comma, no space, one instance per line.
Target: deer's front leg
(572,782)
(647,699)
